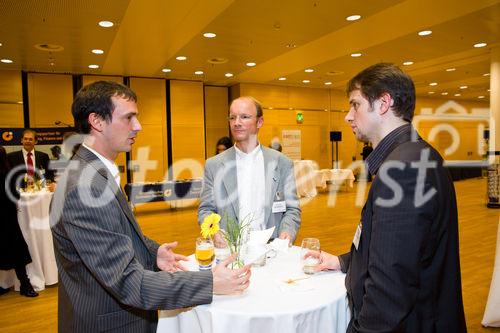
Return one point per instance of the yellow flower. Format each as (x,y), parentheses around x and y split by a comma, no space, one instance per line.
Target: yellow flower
(210,225)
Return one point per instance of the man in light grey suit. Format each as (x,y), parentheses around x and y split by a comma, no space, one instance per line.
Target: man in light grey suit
(112,277)
(250,181)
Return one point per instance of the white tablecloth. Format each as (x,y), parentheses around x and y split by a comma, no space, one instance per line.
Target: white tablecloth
(305,182)
(267,306)
(33,217)
(492,312)
(336,176)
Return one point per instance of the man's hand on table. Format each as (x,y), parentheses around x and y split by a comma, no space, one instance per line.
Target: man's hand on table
(327,261)
(230,281)
(286,235)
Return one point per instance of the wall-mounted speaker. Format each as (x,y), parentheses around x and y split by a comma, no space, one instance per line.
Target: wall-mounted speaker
(335,136)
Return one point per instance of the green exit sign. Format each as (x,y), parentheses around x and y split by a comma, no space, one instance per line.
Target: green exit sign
(299,117)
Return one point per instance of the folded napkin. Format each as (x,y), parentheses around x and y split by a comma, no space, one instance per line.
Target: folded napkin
(280,245)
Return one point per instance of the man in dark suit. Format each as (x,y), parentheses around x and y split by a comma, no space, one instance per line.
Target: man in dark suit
(403,269)
(29,161)
(112,277)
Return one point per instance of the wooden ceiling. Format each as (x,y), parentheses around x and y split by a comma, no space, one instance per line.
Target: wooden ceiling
(283,37)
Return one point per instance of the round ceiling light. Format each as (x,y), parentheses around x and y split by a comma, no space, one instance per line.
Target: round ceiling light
(356,55)
(353,17)
(209,35)
(6,61)
(97,51)
(106,24)
(425,32)
(93,66)
(166,70)
(181,58)
(228,75)
(251,64)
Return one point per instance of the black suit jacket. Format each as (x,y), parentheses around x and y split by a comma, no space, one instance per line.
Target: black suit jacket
(42,161)
(405,274)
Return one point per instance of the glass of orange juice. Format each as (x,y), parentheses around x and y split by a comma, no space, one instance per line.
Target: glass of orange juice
(204,253)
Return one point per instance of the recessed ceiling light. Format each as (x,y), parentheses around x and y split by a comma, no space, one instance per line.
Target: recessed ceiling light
(97,51)
(6,61)
(408,63)
(1,44)
(228,75)
(478,45)
(251,64)
(209,35)
(480,97)
(425,32)
(488,90)
(457,95)
(444,93)
(353,17)
(486,74)
(166,70)
(355,55)
(93,66)
(306,81)
(309,70)
(181,58)
(282,78)
(198,73)
(431,92)
(450,69)
(52,64)
(433,84)
(328,83)
(106,24)
(463,87)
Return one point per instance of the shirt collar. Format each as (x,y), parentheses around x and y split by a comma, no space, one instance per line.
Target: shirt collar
(242,154)
(111,166)
(386,146)
(25,152)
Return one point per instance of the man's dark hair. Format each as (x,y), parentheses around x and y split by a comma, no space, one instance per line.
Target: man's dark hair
(96,98)
(386,78)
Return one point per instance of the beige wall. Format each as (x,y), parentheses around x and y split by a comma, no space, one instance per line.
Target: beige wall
(11,98)
(50,98)
(216,110)
(150,147)
(187,129)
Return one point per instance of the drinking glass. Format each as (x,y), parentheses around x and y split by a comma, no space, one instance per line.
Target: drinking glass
(310,263)
(204,253)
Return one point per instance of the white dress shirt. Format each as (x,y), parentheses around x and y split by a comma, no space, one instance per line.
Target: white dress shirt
(251,186)
(25,155)
(110,165)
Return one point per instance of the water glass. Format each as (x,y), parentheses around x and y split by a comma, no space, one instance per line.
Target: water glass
(310,263)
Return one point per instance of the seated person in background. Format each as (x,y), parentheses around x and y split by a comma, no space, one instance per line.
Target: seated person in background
(223,144)
(29,161)
(250,181)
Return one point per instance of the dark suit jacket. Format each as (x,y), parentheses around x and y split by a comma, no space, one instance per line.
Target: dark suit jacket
(41,160)
(108,275)
(405,274)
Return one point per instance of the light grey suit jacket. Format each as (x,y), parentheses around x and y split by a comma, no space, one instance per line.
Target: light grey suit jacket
(109,280)
(220,190)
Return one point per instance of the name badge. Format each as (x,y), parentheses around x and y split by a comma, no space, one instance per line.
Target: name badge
(357,236)
(279,206)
